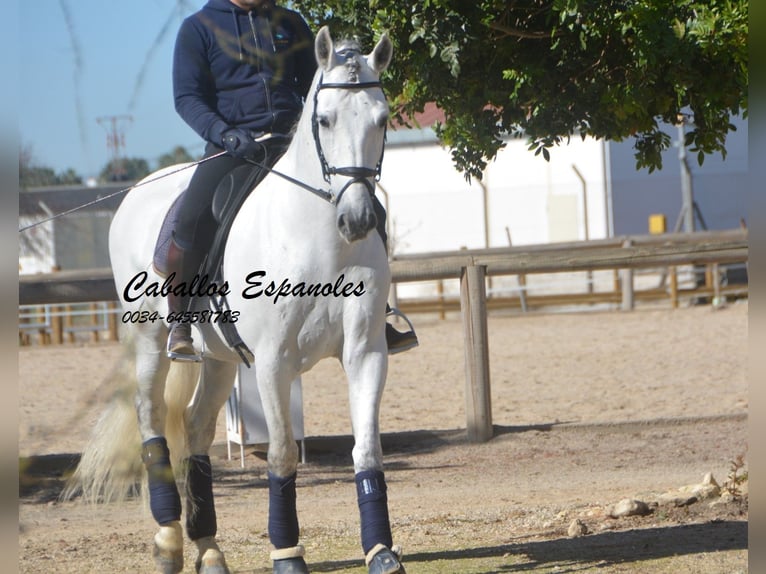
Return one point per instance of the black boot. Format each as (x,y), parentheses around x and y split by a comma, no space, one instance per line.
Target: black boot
(399,341)
(180,345)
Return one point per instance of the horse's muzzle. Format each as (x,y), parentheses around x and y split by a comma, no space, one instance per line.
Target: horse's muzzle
(355,227)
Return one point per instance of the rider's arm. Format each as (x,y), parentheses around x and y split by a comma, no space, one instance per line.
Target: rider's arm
(194,85)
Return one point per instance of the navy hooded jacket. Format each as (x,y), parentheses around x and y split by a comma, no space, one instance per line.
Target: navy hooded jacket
(244,69)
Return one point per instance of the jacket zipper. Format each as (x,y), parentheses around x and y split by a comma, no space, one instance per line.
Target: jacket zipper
(259,52)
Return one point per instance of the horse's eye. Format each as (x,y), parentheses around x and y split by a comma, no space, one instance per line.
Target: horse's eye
(382,121)
(324,121)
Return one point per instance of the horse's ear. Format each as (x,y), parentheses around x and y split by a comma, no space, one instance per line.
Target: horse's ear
(324,49)
(380,57)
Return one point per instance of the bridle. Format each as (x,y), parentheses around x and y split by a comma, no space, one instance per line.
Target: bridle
(357,174)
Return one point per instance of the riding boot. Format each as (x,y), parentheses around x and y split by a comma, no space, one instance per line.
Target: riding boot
(180,345)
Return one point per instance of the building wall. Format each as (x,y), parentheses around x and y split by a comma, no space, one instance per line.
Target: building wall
(719,185)
(431,207)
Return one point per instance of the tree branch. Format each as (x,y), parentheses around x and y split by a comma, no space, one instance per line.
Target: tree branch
(518,33)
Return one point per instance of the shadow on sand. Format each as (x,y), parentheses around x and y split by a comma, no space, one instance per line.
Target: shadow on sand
(600,551)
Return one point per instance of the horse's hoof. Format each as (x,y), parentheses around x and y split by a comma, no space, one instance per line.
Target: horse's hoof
(291,566)
(382,560)
(168,553)
(289,561)
(167,562)
(212,562)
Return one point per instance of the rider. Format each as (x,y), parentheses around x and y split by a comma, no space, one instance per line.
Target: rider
(241,70)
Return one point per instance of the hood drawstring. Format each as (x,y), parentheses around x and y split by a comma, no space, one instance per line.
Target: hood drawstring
(257,24)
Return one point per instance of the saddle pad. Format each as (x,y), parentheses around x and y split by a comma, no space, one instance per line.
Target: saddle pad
(160,260)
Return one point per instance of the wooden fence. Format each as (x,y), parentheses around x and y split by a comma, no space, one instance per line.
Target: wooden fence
(472,267)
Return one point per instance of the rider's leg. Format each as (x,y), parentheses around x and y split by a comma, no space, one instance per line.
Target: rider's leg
(397,341)
(185,253)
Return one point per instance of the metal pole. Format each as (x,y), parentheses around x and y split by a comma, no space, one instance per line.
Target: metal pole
(589,274)
(687,194)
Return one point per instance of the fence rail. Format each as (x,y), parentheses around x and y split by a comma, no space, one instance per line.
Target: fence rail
(472,267)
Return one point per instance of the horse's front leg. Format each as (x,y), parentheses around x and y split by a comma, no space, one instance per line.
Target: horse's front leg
(151,372)
(200,418)
(366,369)
(274,387)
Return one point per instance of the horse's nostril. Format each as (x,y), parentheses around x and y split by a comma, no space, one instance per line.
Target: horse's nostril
(341,221)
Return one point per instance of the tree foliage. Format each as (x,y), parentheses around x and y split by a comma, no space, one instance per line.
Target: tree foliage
(178,155)
(33,175)
(551,69)
(125,169)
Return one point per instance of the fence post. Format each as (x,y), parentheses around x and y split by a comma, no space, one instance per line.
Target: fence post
(626,279)
(440,294)
(112,321)
(57,325)
(673,287)
(478,400)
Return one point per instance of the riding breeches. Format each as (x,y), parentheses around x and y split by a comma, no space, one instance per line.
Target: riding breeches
(196,210)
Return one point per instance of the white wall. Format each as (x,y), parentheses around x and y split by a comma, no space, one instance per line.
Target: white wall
(431,207)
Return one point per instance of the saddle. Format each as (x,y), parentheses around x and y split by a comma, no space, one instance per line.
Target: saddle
(229,196)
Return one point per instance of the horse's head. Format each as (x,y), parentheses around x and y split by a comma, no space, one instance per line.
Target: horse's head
(349,122)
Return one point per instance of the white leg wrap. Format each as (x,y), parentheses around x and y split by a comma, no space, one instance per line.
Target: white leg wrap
(293,552)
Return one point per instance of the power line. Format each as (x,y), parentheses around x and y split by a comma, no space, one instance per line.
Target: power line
(115,143)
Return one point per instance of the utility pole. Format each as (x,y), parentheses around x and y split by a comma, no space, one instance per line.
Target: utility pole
(115,143)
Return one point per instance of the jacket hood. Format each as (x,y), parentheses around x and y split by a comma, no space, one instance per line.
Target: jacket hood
(224,6)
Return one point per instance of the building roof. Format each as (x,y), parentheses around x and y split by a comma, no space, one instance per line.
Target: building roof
(428,117)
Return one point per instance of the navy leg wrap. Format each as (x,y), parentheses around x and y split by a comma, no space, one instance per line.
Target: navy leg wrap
(164,499)
(200,507)
(373,509)
(283,515)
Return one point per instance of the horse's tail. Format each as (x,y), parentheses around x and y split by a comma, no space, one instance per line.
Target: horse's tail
(110,468)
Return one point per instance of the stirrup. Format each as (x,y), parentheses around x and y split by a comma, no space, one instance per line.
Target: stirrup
(410,336)
(193,357)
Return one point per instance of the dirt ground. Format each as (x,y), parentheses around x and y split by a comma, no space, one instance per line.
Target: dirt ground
(588,408)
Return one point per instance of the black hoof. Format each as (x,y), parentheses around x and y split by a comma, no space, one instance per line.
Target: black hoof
(291,566)
(385,562)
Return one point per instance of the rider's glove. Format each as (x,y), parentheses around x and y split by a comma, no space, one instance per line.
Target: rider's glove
(240,144)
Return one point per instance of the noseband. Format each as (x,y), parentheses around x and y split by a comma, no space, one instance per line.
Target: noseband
(357,174)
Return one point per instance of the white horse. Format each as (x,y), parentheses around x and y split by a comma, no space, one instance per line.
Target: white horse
(306,280)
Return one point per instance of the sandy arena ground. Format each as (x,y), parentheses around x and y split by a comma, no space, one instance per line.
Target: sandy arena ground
(589,408)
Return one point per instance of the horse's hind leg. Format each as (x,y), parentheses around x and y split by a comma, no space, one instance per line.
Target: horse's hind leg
(366,371)
(214,388)
(151,371)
